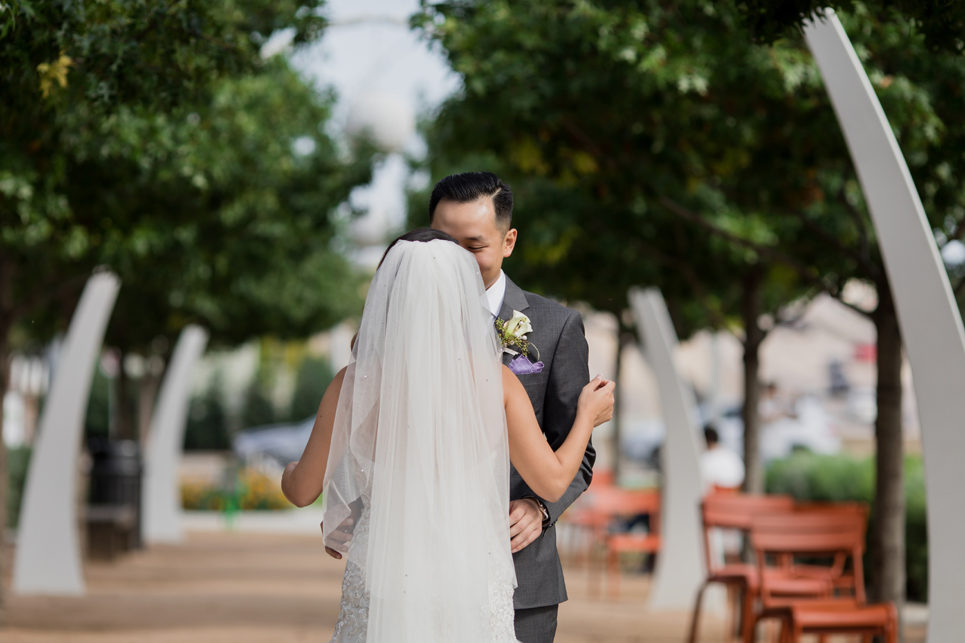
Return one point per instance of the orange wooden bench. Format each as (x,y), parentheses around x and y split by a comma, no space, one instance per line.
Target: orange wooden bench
(635,503)
(837,534)
(733,510)
(596,513)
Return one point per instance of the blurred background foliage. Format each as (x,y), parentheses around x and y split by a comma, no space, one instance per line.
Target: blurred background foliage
(252,491)
(691,146)
(155,140)
(686,145)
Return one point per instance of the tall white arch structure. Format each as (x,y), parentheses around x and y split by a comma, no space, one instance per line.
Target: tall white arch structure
(927,313)
(160,498)
(48,559)
(680,565)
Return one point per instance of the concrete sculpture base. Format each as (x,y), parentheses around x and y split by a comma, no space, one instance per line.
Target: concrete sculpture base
(930,323)
(48,557)
(680,568)
(161,497)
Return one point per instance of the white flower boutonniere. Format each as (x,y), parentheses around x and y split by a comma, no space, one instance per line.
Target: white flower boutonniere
(514,340)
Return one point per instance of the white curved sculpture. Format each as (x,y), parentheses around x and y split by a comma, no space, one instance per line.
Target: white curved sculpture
(680,567)
(930,322)
(161,501)
(47,559)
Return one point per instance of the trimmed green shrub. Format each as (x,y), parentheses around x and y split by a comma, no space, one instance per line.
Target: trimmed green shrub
(18,459)
(207,423)
(314,374)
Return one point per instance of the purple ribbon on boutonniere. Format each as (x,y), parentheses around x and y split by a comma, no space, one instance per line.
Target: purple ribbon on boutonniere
(522,366)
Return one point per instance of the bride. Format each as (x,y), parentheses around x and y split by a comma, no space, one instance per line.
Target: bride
(412,445)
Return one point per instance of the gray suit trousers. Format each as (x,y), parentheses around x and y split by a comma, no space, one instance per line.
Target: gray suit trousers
(537,624)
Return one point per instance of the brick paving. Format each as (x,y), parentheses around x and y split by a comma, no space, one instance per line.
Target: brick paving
(242,587)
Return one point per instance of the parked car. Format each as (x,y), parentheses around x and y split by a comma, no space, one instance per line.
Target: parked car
(281,443)
(808,428)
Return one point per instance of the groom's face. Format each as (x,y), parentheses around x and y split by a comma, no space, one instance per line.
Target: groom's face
(474,226)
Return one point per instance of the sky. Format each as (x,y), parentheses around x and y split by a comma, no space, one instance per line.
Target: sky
(384,77)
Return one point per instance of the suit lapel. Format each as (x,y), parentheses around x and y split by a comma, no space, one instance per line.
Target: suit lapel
(513,299)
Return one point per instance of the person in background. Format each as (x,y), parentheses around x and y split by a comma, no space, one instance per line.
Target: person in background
(719,466)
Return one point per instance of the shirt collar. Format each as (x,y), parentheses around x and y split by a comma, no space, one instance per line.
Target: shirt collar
(496,293)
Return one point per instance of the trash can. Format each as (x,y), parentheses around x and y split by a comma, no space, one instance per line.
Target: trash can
(114,497)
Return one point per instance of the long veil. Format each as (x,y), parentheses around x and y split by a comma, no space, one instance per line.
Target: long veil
(420,441)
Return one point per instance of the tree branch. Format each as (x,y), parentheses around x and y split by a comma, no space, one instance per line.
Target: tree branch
(959,286)
(860,222)
(807,273)
(861,256)
(687,271)
(590,144)
(46,293)
(958,231)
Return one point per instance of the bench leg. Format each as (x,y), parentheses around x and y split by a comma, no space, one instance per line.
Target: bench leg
(613,572)
(695,615)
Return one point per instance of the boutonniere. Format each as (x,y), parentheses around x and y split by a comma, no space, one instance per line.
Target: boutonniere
(513,338)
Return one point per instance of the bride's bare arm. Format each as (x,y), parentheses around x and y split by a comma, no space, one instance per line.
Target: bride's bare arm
(303,480)
(549,473)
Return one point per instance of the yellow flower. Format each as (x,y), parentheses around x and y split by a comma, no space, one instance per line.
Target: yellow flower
(55,72)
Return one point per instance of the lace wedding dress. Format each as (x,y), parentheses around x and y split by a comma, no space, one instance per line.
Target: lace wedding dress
(353,615)
(418,468)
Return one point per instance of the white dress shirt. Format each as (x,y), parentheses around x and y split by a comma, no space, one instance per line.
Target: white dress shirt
(496,293)
(721,466)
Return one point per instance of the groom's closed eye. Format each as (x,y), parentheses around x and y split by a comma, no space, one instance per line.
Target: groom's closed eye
(474,244)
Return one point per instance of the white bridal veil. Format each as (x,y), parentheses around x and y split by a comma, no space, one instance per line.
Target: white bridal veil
(420,443)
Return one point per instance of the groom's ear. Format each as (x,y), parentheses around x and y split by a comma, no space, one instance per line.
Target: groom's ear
(509,242)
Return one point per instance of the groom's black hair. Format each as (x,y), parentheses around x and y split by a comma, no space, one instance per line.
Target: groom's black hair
(419,234)
(469,186)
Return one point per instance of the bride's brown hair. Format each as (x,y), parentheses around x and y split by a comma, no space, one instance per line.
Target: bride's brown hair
(419,234)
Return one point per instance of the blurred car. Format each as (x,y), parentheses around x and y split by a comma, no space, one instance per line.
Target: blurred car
(862,405)
(809,428)
(281,443)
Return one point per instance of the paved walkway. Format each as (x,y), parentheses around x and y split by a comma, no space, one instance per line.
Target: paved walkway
(267,585)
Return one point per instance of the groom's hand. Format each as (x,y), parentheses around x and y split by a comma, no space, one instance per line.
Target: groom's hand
(525,523)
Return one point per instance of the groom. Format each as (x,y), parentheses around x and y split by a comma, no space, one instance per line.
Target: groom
(476,208)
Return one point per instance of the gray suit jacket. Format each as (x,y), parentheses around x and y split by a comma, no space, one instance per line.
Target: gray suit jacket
(558,335)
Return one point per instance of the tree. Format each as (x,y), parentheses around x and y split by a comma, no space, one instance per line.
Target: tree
(940,22)
(237,225)
(671,140)
(100,92)
(583,172)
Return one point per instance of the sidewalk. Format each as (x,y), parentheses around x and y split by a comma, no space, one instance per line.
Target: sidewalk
(261,582)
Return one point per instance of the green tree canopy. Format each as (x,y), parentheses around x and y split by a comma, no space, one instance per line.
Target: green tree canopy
(153,138)
(665,137)
(941,22)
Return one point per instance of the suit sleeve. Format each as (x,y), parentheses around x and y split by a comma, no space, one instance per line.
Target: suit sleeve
(568,375)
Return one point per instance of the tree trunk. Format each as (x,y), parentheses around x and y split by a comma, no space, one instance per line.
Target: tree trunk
(617,416)
(750,413)
(6,323)
(147,390)
(4,475)
(124,421)
(887,537)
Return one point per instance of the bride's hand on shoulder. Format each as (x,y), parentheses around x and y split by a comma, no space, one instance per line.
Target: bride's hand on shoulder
(596,400)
